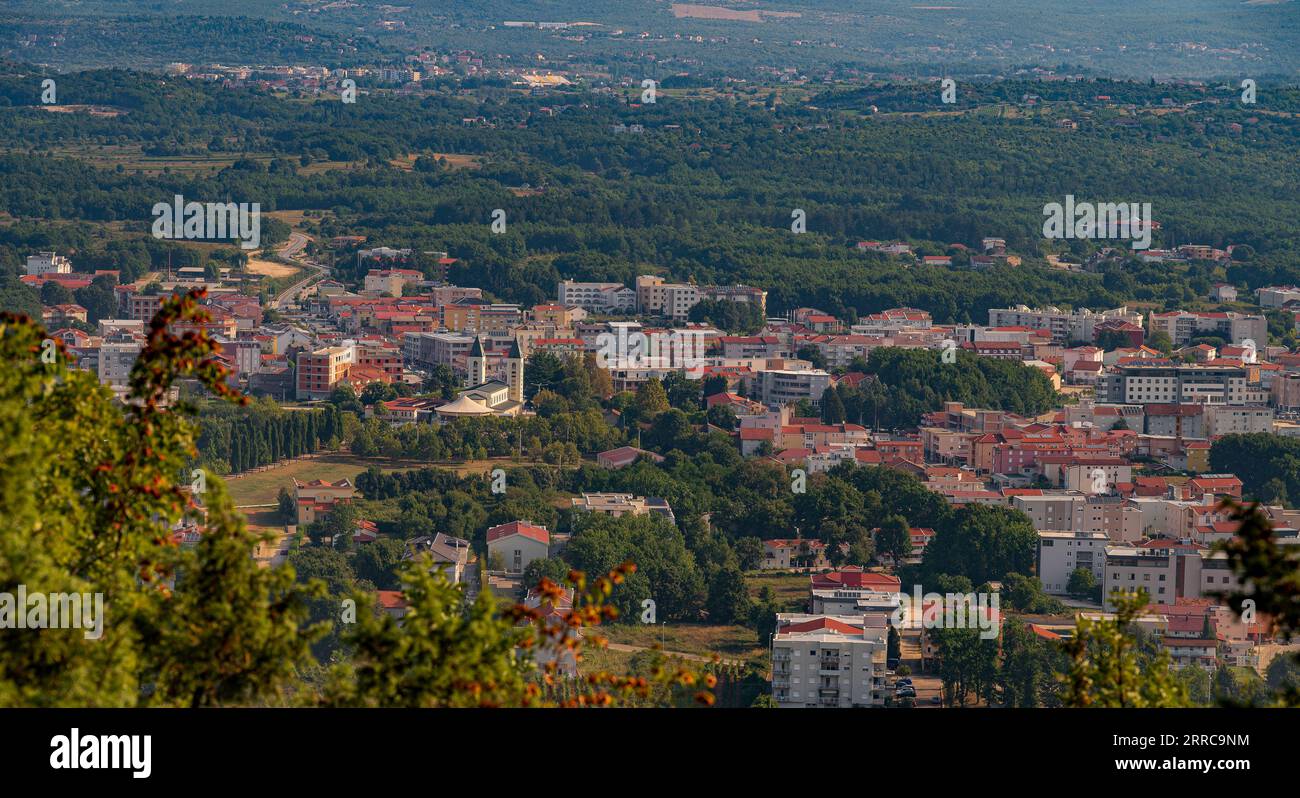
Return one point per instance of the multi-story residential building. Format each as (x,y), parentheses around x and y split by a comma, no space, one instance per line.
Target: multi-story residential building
(448,294)
(437,349)
(784,553)
(390,282)
(382,355)
(48,263)
(1175,421)
(781,386)
(479,316)
(735,293)
(597,297)
(1182,326)
(320,371)
(841,350)
(813,436)
(317,498)
(655,297)
(1129,569)
(1206,383)
(1276,296)
(827,661)
(1060,553)
(1285,392)
(143,307)
(116,359)
(1236,419)
(1085,473)
(558,316)
(1111,516)
(1065,326)
(753,346)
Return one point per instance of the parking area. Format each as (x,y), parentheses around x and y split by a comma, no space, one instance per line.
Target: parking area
(928,686)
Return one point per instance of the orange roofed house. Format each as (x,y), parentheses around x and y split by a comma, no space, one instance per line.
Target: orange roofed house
(317,498)
(794,553)
(518,543)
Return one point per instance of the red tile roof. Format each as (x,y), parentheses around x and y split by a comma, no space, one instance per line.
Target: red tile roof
(531,531)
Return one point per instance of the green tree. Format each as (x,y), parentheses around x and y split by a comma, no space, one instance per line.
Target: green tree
(89,491)
(728,597)
(287,506)
(894,538)
(1082,583)
(378,562)
(651,399)
(1108,669)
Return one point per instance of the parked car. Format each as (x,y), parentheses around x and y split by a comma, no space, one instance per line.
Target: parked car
(907,680)
(905,692)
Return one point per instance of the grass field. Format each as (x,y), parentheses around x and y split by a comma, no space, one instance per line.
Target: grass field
(131,158)
(790,589)
(454,160)
(262,487)
(731,642)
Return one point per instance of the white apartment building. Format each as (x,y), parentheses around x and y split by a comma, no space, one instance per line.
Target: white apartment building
(782,386)
(1112,516)
(1065,325)
(830,661)
(1060,553)
(1092,475)
(655,297)
(48,263)
(1129,569)
(389,282)
(436,349)
(1275,296)
(1182,326)
(1050,511)
(115,363)
(597,297)
(1183,384)
(1233,419)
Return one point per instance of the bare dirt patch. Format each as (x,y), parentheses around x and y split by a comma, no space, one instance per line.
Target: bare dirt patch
(269,268)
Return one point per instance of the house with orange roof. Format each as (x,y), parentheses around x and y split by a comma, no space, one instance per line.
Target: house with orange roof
(514,545)
(317,498)
(786,553)
(392,602)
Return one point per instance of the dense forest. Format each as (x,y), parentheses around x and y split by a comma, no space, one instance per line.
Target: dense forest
(705,193)
(234,440)
(637,37)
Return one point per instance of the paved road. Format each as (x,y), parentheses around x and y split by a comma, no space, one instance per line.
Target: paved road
(293,251)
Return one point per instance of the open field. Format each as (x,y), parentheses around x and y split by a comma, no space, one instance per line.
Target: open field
(318,167)
(297,218)
(262,487)
(270,268)
(730,642)
(131,158)
(790,589)
(454,160)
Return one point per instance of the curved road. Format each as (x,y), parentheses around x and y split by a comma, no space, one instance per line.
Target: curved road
(293,251)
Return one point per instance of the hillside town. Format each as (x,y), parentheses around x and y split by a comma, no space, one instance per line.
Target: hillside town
(1117,480)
